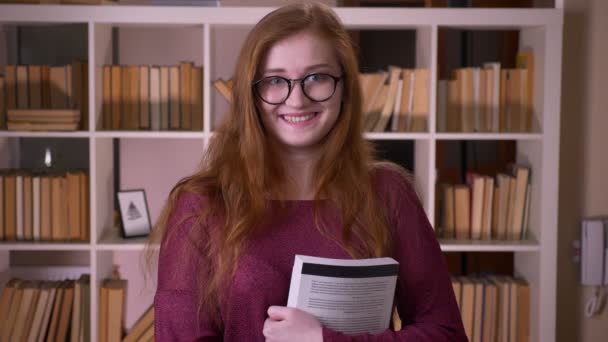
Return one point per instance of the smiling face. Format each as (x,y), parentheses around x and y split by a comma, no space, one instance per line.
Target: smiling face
(300,124)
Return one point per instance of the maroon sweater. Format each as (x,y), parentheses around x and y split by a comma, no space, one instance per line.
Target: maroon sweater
(424,295)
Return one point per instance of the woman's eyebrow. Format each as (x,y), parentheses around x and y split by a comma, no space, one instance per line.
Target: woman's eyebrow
(308,68)
(318,66)
(271,71)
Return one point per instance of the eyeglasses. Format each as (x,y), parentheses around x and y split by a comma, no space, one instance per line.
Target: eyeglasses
(275,90)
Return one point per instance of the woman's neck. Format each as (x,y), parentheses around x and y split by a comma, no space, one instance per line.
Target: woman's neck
(299,168)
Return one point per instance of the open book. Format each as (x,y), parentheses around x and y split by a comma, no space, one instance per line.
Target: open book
(349,296)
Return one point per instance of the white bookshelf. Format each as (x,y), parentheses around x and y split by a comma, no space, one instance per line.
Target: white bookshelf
(211,37)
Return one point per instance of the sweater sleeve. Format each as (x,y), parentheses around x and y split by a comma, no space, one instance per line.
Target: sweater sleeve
(176,314)
(424,295)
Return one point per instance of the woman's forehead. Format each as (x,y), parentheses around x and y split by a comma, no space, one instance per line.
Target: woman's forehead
(300,53)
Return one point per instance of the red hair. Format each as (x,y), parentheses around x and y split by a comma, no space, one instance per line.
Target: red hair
(240,171)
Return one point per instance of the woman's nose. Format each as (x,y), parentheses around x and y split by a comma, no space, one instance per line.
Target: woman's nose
(296,98)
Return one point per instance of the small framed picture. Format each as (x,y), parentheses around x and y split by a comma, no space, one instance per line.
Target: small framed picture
(134,214)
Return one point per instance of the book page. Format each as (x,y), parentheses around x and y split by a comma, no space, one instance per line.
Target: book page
(351,299)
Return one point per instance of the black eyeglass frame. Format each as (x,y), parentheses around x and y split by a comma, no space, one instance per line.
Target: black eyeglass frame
(290,86)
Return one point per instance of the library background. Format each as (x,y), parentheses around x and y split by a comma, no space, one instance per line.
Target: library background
(97,96)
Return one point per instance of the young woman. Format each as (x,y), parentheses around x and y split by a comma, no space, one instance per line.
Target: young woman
(288,172)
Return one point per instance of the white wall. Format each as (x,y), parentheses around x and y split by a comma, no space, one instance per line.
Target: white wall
(584,161)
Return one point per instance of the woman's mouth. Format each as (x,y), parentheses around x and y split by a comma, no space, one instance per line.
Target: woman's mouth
(299,117)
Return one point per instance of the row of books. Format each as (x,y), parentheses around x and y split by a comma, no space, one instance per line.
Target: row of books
(488,98)
(33,310)
(395,100)
(487,208)
(112,296)
(144,97)
(36,207)
(494,308)
(26,90)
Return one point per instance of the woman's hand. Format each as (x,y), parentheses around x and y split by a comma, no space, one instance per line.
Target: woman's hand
(286,324)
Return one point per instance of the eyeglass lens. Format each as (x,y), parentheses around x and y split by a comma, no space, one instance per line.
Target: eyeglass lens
(276,89)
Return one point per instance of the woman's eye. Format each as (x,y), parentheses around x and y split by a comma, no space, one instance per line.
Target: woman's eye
(317,78)
(275,81)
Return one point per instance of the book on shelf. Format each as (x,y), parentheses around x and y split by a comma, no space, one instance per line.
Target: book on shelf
(467,305)
(2,103)
(462,211)
(35,310)
(196,97)
(152,97)
(143,330)
(185,79)
(44,97)
(389,105)
(148,335)
(174,98)
(486,208)
(372,87)
(111,310)
(42,116)
(395,100)
(493,307)
(224,88)
(35,126)
(144,96)
(44,207)
(43,119)
(488,98)
(525,60)
(442,105)
(129,79)
(350,296)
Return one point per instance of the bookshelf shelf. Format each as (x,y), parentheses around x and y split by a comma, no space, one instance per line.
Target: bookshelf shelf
(42,246)
(448,245)
(397,136)
(122,246)
(148,135)
(112,241)
(18,134)
(489,136)
(155,160)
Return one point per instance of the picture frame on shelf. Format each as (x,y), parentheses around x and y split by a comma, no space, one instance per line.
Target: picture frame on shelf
(134,213)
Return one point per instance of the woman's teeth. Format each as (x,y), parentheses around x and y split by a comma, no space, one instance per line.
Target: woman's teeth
(299,118)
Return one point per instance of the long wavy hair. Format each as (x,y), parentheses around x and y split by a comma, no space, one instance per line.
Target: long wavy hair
(240,171)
